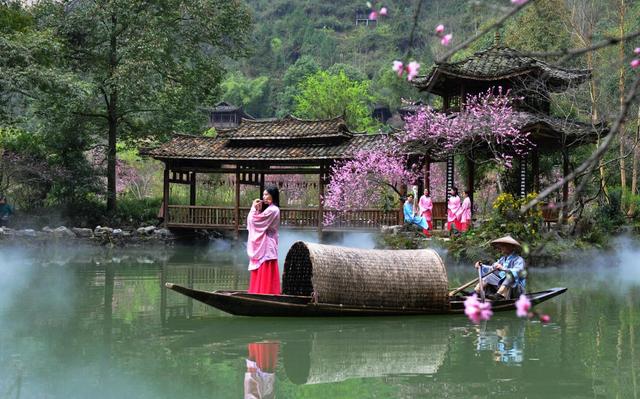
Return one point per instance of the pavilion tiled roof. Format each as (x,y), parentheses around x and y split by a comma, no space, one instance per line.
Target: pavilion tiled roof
(498,63)
(183,146)
(551,130)
(288,128)
(288,139)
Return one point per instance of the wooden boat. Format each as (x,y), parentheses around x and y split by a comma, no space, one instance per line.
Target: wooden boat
(324,280)
(241,303)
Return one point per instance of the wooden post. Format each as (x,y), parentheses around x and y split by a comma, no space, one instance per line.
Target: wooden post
(192,189)
(403,192)
(523,176)
(427,173)
(237,210)
(565,186)
(165,195)
(535,170)
(471,171)
(450,175)
(261,185)
(320,198)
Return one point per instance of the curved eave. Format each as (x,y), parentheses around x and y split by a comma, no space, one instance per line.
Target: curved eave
(440,79)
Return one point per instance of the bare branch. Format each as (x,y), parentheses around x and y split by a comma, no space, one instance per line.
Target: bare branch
(599,153)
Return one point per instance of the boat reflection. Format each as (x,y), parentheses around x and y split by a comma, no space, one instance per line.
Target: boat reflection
(318,351)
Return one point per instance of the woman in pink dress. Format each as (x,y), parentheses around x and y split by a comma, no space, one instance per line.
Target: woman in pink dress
(452,209)
(465,212)
(262,245)
(426,206)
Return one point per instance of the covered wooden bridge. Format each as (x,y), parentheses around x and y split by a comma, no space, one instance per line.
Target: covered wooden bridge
(265,147)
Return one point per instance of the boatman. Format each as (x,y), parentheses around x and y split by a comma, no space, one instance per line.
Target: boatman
(509,275)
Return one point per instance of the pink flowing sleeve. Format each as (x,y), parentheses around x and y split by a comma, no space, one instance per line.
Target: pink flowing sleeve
(262,243)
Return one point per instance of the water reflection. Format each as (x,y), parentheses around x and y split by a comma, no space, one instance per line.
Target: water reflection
(95,323)
(260,378)
(505,341)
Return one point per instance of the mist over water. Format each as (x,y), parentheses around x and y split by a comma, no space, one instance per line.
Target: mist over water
(96,322)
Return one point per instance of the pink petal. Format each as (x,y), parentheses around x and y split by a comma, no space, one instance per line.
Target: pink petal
(636,50)
(398,67)
(373,16)
(523,304)
(518,2)
(383,11)
(412,70)
(545,318)
(439,29)
(446,39)
(635,63)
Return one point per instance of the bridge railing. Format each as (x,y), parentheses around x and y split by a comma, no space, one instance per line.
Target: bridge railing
(188,216)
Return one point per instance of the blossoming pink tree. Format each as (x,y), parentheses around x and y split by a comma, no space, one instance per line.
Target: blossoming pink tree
(487,121)
(362,181)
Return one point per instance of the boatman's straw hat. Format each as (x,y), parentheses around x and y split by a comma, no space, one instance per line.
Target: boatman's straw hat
(507,240)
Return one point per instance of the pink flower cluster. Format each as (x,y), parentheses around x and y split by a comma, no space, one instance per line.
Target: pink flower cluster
(635,63)
(373,15)
(445,39)
(476,310)
(523,309)
(360,182)
(487,118)
(412,69)
(518,2)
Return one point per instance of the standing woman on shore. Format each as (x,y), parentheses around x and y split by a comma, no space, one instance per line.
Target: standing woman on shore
(426,207)
(453,207)
(262,245)
(465,211)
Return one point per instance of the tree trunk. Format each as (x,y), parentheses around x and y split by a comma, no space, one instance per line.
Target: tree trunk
(634,173)
(623,172)
(112,111)
(593,94)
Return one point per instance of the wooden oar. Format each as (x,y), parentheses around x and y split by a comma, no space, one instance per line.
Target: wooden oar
(475,280)
(481,284)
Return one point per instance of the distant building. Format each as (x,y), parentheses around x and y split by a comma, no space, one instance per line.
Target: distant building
(381,113)
(226,116)
(363,19)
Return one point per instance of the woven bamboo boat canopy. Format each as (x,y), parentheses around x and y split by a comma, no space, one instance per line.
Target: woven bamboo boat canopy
(415,279)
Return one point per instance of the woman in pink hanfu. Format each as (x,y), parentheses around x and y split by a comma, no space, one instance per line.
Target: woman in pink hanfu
(262,245)
(465,212)
(426,206)
(452,209)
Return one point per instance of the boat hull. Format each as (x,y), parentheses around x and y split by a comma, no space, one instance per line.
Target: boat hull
(241,303)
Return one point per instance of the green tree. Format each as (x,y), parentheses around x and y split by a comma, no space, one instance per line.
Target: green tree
(304,67)
(250,93)
(141,68)
(324,95)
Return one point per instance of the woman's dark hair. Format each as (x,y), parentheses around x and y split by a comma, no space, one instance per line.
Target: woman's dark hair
(410,195)
(455,190)
(275,194)
(468,194)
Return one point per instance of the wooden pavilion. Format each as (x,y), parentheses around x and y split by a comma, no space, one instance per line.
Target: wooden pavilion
(531,81)
(264,147)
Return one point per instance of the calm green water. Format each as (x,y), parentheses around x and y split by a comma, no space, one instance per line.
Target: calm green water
(95,323)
